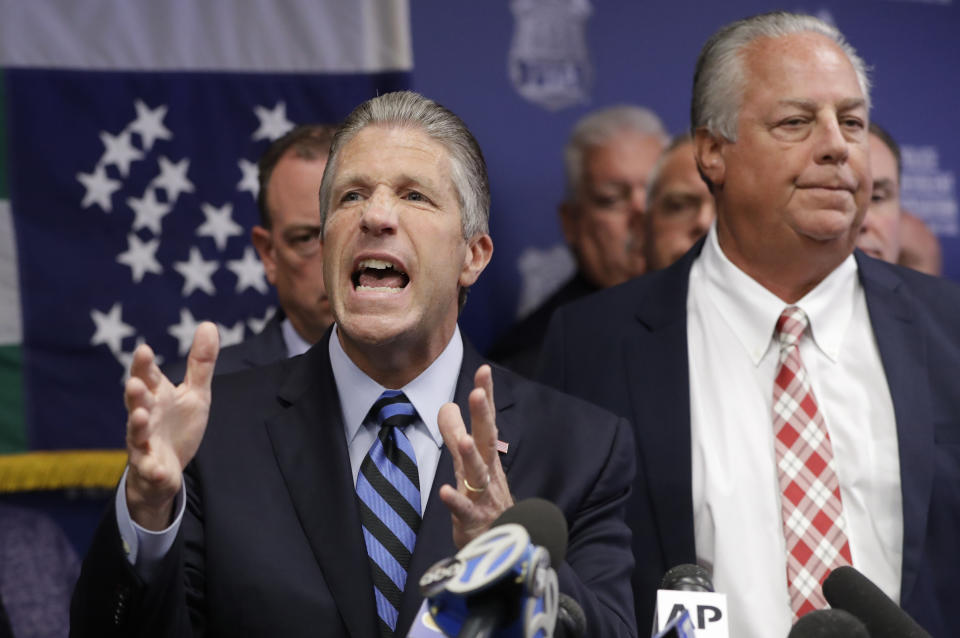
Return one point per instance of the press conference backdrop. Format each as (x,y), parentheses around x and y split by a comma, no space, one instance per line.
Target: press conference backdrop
(129,129)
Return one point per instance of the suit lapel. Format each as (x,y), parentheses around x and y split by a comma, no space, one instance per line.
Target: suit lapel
(660,403)
(311,451)
(903,351)
(435,539)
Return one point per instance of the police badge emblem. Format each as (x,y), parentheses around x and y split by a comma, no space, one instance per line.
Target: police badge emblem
(549,63)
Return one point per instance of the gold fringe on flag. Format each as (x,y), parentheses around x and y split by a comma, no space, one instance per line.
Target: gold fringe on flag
(61,470)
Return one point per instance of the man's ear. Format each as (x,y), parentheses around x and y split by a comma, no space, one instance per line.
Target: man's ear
(263,242)
(479,252)
(708,150)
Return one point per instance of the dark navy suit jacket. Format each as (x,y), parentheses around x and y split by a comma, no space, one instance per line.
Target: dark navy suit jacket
(625,349)
(271,544)
(266,347)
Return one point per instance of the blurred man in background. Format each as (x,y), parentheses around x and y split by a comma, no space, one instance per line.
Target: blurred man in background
(919,247)
(38,569)
(608,160)
(880,232)
(288,242)
(680,207)
(889,232)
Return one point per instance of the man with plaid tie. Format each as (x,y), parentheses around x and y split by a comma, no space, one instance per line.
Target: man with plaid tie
(794,401)
(306,498)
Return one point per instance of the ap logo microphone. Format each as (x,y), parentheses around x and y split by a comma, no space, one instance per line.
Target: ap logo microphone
(688,589)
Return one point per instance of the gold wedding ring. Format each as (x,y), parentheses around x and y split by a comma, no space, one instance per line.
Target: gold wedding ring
(476,490)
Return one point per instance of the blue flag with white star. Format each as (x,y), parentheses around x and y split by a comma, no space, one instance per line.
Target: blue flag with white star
(129,183)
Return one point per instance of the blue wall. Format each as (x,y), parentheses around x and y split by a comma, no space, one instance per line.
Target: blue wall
(644,53)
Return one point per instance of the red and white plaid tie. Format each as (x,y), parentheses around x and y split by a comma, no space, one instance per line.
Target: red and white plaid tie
(813,523)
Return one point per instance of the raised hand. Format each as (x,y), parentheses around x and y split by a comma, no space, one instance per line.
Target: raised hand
(482,493)
(165,424)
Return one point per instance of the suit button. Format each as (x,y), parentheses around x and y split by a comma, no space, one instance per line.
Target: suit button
(120,605)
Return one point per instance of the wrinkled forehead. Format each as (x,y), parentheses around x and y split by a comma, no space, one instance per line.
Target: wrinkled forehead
(400,148)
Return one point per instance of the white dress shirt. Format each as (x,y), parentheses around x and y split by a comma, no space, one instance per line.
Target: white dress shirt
(357,392)
(294,343)
(733,357)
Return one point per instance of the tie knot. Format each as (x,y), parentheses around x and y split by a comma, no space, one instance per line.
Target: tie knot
(393,408)
(790,326)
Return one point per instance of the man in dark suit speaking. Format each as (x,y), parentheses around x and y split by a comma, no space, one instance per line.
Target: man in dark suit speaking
(321,488)
(795,402)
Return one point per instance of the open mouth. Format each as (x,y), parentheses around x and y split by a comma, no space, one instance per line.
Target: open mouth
(379,275)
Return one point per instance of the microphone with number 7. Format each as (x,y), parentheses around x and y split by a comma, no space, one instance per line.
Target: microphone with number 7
(501,583)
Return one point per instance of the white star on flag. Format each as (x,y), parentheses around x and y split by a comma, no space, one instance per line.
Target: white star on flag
(183,331)
(250,180)
(149,124)
(230,336)
(257,325)
(273,122)
(149,212)
(173,178)
(111,329)
(100,188)
(141,257)
(119,151)
(249,272)
(196,273)
(219,224)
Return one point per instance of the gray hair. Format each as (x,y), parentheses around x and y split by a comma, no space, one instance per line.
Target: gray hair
(409,109)
(596,128)
(719,79)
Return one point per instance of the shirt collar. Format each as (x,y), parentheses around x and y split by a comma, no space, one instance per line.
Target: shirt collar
(751,311)
(294,343)
(434,386)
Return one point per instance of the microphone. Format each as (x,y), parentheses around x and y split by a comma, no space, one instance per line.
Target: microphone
(846,588)
(501,583)
(687,578)
(828,623)
(548,528)
(544,523)
(689,588)
(571,621)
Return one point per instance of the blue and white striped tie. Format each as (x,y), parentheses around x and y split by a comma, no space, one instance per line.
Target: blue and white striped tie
(388,488)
